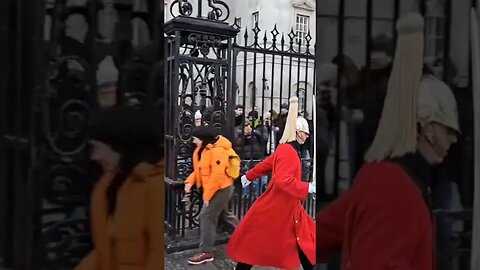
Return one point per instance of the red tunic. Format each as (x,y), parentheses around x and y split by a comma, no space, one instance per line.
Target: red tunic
(383,222)
(276,224)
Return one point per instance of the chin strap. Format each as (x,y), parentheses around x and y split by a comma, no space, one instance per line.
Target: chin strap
(434,145)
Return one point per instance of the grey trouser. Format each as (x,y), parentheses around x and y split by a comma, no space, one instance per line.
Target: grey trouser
(209,217)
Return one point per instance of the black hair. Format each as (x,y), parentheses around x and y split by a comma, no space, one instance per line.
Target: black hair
(383,43)
(207,134)
(135,135)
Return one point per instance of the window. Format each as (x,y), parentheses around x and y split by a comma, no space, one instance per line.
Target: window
(255,16)
(434,36)
(302,27)
(434,28)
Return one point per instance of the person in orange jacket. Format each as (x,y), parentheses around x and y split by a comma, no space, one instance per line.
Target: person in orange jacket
(127,219)
(210,161)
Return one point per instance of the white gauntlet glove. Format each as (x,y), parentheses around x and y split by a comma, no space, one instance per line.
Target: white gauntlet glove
(312,187)
(245,181)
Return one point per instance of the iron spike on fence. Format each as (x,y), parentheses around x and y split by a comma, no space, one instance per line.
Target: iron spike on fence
(274,37)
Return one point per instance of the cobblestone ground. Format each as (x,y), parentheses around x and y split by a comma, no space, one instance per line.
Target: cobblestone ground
(178,261)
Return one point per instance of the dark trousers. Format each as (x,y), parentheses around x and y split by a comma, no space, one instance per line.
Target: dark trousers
(209,217)
(306,265)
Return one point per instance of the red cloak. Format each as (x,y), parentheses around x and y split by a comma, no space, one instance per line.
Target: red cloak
(276,224)
(383,222)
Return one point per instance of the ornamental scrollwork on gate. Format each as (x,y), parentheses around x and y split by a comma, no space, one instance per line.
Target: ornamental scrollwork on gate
(191,206)
(201,88)
(183,7)
(205,44)
(218,10)
(68,105)
(70,102)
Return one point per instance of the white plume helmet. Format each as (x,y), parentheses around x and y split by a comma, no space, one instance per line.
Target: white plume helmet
(302,125)
(397,130)
(412,98)
(436,103)
(290,132)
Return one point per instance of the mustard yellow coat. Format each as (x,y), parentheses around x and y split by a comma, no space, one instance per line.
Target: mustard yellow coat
(133,238)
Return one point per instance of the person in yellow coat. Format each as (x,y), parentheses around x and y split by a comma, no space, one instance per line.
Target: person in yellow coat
(127,218)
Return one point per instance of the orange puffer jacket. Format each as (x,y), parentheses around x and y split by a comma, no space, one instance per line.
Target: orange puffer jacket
(209,171)
(133,239)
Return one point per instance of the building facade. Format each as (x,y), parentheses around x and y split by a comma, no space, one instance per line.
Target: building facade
(264,79)
(268,86)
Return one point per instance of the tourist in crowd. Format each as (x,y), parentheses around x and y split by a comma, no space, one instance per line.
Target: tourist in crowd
(253,114)
(373,87)
(348,120)
(251,148)
(198,118)
(239,115)
(269,133)
(127,202)
(281,120)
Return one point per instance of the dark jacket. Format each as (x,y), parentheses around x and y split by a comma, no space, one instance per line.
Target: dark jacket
(251,146)
(374,88)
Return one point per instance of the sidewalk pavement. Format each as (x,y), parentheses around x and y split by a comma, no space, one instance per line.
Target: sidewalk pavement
(178,261)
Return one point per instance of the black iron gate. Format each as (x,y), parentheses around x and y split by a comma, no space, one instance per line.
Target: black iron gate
(19,107)
(17,141)
(198,70)
(64,61)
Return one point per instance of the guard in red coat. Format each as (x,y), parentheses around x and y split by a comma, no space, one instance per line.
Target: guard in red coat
(277,231)
(385,220)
